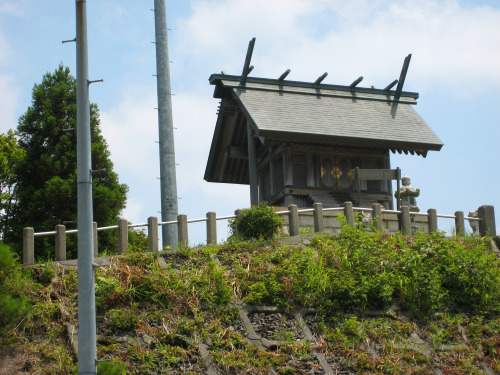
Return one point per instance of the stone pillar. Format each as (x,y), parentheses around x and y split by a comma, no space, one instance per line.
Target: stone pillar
(432,220)
(28,245)
(349,213)
(405,220)
(122,236)
(487,224)
(211,228)
(96,251)
(459,223)
(377,216)
(60,242)
(293,220)
(318,217)
(153,234)
(182,229)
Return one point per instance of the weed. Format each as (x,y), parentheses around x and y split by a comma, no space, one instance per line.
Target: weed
(121,320)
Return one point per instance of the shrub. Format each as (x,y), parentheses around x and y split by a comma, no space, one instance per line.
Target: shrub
(13,303)
(257,222)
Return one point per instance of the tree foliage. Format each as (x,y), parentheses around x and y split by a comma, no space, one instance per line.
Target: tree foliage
(46,177)
(10,154)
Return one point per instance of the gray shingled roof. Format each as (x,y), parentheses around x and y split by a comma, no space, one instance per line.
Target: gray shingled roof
(332,114)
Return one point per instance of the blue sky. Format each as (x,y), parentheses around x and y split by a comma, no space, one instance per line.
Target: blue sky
(455,67)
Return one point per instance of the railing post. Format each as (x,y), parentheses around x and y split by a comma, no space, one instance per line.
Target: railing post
(122,236)
(487,224)
(28,245)
(153,234)
(211,228)
(349,213)
(293,212)
(182,229)
(432,220)
(94,229)
(459,223)
(377,216)
(319,225)
(405,220)
(60,242)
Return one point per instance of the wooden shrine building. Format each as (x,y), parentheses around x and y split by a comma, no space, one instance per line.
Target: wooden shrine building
(299,142)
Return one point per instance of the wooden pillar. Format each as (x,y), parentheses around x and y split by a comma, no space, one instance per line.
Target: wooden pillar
(459,223)
(318,217)
(377,216)
(153,234)
(487,224)
(272,189)
(60,242)
(432,220)
(349,213)
(310,171)
(122,236)
(287,168)
(182,229)
(28,245)
(211,228)
(293,220)
(252,168)
(405,220)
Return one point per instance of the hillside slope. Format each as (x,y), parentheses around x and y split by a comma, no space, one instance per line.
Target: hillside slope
(354,303)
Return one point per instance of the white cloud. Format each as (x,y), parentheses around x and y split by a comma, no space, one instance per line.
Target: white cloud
(12,7)
(452,46)
(8,102)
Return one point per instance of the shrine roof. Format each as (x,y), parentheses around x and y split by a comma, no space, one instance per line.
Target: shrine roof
(331,114)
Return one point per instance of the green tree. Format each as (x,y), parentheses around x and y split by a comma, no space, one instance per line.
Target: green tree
(46,189)
(10,154)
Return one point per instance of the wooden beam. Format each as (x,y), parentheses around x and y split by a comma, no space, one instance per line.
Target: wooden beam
(390,85)
(356,82)
(248,58)
(320,78)
(237,152)
(283,76)
(402,78)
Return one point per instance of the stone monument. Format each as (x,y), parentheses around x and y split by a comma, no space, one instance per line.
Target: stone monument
(408,194)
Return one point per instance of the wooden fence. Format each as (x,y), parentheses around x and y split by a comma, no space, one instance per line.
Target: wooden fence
(317,219)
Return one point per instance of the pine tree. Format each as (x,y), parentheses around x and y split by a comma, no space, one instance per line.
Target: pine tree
(46,189)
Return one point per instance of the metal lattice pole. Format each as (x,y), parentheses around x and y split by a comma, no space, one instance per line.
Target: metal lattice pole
(168,183)
(87,343)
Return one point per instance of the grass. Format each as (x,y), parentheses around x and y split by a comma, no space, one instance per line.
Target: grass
(380,305)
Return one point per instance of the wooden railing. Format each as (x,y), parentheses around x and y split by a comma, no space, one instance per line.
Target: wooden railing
(317,219)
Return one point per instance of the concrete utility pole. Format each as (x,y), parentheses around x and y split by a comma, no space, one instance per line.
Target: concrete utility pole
(168,183)
(87,343)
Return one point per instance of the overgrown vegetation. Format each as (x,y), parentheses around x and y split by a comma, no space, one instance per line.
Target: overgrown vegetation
(14,304)
(377,304)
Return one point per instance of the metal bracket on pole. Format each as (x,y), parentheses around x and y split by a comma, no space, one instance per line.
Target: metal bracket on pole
(97,80)
(69,41)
